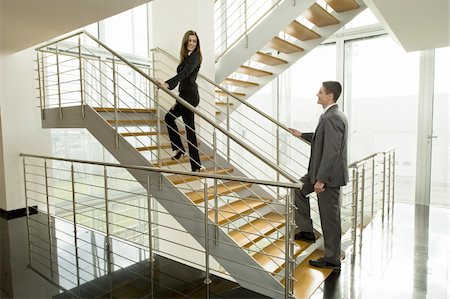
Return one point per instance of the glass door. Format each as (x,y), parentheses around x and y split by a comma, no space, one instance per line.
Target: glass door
(440,165)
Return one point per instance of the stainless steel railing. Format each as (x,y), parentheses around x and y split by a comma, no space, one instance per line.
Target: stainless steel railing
(54,184)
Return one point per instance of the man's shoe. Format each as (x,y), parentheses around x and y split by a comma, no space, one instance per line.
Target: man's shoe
(321,263)
(305,236)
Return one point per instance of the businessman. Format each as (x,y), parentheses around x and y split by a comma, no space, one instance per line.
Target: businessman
(327,172)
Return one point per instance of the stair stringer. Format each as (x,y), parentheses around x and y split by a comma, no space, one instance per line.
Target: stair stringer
(226,252)
(259,36)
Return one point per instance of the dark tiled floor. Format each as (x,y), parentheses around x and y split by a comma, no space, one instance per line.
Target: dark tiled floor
(406,257)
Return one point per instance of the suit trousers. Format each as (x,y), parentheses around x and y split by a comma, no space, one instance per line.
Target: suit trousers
(174,135)
(330,217)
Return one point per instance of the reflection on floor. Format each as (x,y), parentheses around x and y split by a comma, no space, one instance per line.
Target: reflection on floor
(407,257)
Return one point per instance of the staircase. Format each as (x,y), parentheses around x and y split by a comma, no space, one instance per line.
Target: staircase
(245,195)
(284,35)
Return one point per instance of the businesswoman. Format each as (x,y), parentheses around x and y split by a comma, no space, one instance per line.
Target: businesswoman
(187,70)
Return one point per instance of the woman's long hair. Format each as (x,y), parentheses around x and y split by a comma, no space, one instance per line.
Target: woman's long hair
(184,51)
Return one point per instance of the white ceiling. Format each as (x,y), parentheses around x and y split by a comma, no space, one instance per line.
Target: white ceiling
(415,24)
(26,23)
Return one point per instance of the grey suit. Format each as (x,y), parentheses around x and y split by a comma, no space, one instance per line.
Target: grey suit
(327,163)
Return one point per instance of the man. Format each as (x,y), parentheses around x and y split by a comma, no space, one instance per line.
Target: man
(327,172)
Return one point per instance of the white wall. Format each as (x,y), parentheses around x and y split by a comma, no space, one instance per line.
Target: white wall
(2,167)
(21,122)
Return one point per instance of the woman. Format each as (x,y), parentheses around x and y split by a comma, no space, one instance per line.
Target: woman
(187,70)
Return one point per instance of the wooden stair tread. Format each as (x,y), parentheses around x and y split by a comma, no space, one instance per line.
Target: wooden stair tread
(222,189)
(240,83)
(267,59)
(125,110)
(185,159)
(309,278)
(180,179)
(272,257)
(317,15)
(243,69)
(219,103)
(342,5)
(300,32)
(155,147)
(131,122)
(257,229)
(238,94)
(136,134)
(283,46)
(237,209)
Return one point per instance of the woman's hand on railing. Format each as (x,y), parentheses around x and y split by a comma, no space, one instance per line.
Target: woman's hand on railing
(162,83)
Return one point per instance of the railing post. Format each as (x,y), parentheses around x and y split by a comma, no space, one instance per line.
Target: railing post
(80,63)
(49,220)
(116,123)
(75,233)
(151,257)
(108,235)
(27,209)
(384,187)
(158,128)
(389,184)
(355,210)
(228,128)
(58,80)
(373,187)
(361,213)
(245,24)
(289,245)
(205,194)
(216,204)
(41,98)
(43,86)
(393,180)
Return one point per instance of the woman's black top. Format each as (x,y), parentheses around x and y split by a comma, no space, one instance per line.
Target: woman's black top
(186,75)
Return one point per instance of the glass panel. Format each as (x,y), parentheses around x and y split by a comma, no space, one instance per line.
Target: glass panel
(440,167)
(382,90)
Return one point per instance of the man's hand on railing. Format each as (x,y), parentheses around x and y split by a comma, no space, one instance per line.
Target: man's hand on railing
(295,132)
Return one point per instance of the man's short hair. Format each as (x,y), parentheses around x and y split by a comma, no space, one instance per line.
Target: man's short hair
(333,87)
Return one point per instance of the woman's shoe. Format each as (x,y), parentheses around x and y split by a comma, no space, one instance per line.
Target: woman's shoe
(178,155)
(199,169)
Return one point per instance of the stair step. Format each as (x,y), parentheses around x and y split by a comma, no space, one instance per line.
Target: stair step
(125,110)
(154,147)
(219,103)
(185,159)
(180,179)
(243,69)
(300,32)
(240,83)
(237,209)
(267,59)
(257,229)
(309,278)
(134,123)
(317,15)
(222,93)
(283,46)
(272,257)
(222,189)
(342,5)
(136,134)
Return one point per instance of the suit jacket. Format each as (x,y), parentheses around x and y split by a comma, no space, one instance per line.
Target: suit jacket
(328,160)
(186,75)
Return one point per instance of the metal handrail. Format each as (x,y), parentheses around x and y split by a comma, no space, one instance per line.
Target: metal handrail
(184,103)
(171,171)
(249,28)
(252,107)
